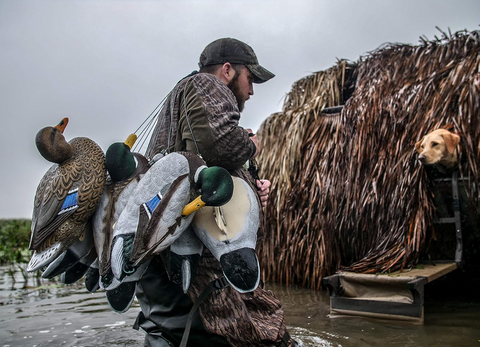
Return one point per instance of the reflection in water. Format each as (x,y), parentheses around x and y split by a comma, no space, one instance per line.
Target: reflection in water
(48,313)
(54,314)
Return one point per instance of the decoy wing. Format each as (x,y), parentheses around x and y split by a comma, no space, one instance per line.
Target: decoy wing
(165,222)
(49,200)
(153,214)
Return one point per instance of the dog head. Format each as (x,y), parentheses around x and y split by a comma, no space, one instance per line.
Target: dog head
(438,147)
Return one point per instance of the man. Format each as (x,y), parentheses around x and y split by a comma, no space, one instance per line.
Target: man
(201,115)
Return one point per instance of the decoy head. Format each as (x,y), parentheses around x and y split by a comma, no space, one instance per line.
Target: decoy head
(52,144)
(216,186)
(119,159)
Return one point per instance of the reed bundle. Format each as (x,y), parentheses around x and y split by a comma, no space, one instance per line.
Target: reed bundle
(347,191)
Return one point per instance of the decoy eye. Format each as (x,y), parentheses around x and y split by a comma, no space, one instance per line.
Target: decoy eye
(214,192)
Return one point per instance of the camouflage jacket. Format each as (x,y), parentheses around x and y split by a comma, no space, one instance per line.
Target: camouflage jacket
(201,115)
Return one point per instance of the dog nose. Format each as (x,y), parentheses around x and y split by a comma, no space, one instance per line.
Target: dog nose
(422,158)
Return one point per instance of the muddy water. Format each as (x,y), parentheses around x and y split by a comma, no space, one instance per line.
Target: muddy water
(46,313)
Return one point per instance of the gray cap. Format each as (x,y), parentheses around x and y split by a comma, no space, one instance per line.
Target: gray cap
(228,50)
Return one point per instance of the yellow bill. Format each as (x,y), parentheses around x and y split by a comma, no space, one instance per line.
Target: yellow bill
(130,141)
(193,206)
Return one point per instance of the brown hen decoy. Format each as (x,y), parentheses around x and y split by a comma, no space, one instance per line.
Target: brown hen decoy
(66,196)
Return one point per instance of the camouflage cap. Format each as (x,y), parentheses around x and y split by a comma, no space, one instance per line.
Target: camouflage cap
(228,50)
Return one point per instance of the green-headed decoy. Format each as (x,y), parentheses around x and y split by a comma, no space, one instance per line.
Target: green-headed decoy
(125,168)
(230,233)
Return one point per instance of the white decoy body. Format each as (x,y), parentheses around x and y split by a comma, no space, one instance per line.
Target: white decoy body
(145,226)
(230,233)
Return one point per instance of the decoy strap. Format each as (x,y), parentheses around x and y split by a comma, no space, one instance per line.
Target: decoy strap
(216,284)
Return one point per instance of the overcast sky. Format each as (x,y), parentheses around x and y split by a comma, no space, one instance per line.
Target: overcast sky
(107,64)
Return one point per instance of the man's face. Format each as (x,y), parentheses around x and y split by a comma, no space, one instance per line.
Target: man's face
(241,86)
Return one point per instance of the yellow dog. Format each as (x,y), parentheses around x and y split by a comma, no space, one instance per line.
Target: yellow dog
(439,147)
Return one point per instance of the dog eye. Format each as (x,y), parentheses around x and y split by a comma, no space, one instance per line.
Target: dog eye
(422,146)
(434,144)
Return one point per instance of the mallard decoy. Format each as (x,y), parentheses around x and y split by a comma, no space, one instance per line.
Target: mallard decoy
(122,241)
(159,209)
(67,194)
(230,233)
(125,170)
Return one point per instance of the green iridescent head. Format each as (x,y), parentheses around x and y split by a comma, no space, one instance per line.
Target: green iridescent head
(119,159)
(216,187)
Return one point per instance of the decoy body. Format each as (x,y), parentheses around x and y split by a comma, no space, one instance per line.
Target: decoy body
(230,233)
(163,205)
(125,170)
(67,194)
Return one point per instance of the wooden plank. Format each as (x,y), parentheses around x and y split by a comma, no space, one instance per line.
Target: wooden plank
(430,271)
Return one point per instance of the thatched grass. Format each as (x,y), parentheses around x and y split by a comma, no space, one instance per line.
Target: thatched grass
(347,189)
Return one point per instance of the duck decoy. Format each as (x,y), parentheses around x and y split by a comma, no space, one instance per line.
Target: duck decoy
(66,196)
(230,233)
(161,206)
(125,168)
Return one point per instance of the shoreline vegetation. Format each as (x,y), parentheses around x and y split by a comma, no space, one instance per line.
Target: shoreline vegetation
(14,241)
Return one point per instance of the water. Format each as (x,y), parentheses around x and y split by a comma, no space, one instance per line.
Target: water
(46,313)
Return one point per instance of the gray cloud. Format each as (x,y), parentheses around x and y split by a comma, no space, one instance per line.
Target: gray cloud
(107,64)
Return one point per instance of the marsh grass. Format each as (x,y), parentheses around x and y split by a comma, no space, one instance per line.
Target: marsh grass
(347,190)
(14,241)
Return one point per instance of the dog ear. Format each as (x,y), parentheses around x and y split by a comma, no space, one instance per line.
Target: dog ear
(418,144)
(451,141)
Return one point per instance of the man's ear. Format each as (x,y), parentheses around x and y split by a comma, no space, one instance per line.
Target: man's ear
(226,73)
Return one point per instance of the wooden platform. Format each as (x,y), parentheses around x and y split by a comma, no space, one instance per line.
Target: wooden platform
(398,296)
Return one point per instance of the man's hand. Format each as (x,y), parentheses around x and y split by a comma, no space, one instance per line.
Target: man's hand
(254,139)
(263,187)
